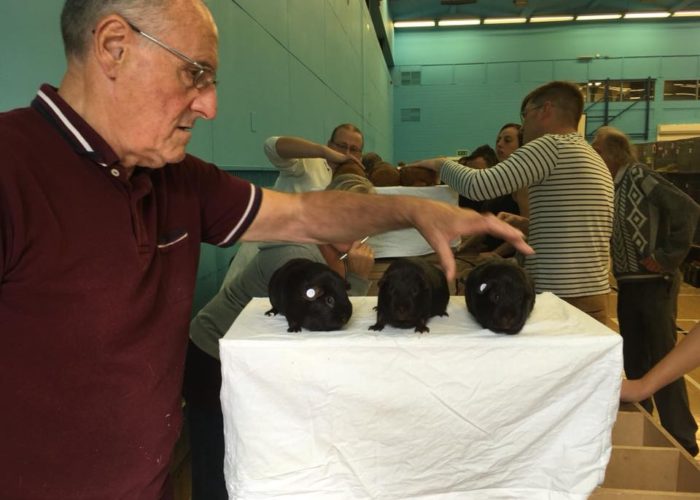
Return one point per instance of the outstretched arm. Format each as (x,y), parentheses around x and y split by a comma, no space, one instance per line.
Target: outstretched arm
(682,359)
(336,217)
(287,148)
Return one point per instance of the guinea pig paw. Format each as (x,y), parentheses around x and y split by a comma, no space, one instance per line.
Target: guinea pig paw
(422,328)
(271,312)
(377,327)
(294,329)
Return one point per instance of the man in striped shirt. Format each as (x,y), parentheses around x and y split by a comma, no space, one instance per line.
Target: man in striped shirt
(570,192)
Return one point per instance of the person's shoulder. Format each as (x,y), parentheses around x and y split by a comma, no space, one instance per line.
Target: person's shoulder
(21,132)
(17,122)
(547,142)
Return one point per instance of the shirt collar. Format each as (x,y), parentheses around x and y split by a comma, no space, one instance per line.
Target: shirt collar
(85,140)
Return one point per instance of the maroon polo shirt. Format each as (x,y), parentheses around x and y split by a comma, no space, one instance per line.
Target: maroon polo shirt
(97,274)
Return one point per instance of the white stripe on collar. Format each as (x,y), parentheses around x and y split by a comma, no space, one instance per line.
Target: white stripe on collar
(65,121)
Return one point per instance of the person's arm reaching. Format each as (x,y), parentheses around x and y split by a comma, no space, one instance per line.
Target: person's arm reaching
(288,148)
(335,217)
(682,359)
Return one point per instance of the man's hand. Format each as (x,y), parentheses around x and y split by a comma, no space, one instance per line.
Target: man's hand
(633,391)
(518,221)
(434,164)
(650,264)
(440,223)
(334,158)
(360,259)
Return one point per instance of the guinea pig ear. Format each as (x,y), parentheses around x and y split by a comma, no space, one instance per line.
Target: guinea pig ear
(312,293)
(347,285)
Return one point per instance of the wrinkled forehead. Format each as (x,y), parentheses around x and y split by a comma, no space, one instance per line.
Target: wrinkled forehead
(193,24)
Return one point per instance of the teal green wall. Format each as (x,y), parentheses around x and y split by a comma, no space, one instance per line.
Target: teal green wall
(473,80)
(294,67)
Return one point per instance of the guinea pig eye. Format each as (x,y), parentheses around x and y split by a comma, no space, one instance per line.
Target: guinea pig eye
(482,287)
(330,301)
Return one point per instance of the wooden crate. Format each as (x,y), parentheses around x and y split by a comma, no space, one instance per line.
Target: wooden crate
(646,462)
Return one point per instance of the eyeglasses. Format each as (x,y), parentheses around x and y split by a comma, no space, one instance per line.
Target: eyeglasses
(202,75)
(525,111)
(347,147)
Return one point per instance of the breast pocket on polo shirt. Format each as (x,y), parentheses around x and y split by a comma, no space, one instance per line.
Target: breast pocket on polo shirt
(178,265)
(171,239)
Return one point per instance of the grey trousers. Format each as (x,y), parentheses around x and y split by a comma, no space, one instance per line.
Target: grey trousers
(646,313)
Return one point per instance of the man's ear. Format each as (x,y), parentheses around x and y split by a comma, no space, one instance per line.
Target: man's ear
(111,39)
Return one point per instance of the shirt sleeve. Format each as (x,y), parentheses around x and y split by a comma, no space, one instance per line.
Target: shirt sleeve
(528,165)
(677,222)
(228,204)
(286,166)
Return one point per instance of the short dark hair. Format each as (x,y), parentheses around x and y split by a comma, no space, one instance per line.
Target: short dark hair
(564,95)
(484,151)
(348,126)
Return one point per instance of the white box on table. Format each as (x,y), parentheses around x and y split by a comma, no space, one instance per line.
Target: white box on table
(459,412)
(409,242)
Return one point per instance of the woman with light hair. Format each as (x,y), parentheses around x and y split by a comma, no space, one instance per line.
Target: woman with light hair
(353,183)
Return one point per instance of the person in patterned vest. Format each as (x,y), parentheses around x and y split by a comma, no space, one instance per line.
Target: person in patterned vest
(653,227)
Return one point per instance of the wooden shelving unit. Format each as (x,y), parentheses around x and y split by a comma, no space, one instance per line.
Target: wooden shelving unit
(646,462)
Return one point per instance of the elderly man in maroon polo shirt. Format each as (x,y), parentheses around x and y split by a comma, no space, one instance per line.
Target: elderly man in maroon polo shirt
(101,217)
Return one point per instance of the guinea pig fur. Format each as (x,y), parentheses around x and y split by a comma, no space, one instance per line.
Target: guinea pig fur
(410,292)
(369,160)
(310,295)
(418,176)
(384,174)
(349,167)
(500,295)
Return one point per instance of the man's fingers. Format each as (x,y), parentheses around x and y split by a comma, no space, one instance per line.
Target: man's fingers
(505,231)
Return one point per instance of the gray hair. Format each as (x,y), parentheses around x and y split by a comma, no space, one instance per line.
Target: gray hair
(79,18)
(617,145)
(351,182)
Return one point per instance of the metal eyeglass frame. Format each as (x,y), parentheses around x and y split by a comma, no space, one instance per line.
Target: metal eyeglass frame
(205,76)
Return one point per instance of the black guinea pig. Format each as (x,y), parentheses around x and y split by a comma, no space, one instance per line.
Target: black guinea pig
(500,295)
(410,292)
(310,295)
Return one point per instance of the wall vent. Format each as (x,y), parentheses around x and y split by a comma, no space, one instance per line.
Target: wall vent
(410,78)
(410,114)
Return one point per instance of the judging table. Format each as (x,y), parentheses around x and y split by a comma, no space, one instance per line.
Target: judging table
(458,412)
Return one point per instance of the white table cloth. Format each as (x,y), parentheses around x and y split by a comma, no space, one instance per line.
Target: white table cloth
(459,412)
